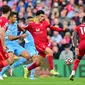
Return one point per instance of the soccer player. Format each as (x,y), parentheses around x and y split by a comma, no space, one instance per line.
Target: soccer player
(11,39)
(30,47)
(29,43)
(4,58)
(39,32)
(79,49)
(15,64)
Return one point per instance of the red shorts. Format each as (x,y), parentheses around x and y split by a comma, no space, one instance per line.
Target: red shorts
(81,48)
(41,48)
(3,53)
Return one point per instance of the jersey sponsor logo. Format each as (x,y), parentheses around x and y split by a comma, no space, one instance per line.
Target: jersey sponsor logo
(37,30)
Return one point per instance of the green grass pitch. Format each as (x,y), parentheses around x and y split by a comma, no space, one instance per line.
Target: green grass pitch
(42,81)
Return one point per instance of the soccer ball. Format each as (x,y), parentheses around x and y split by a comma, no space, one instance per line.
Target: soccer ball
(68,61)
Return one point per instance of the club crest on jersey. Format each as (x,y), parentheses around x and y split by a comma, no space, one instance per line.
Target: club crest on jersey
(37,30)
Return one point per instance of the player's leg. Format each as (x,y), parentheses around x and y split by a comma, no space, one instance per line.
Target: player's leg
(34,56)
(43,49)
(17,63)
(49,53)
(21,51)
(79,53)
(32,66)
(31,72)
(3,71)
(75,66)
(27,56)
(7,62)
(8,58)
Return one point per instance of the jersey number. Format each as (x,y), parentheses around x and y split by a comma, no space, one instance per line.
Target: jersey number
(82,30)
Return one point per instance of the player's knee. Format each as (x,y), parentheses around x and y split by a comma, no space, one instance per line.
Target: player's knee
(27,56)
(35,59)
(10,61)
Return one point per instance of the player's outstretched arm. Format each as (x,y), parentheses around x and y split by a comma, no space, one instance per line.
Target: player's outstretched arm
(11,37)
(56,29)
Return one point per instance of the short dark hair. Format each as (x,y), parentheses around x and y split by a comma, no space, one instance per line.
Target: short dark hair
(29,17)
(83,20)
(5,9)
(39,12)
(12,14)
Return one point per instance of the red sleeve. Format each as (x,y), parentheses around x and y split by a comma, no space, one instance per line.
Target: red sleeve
(4,24)
(56,29)
(28,27)
(46,23)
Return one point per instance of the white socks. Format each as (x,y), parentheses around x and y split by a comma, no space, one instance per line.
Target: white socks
(73,72)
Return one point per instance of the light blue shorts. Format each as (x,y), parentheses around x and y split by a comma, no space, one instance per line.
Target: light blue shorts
(31,50)
(17,49)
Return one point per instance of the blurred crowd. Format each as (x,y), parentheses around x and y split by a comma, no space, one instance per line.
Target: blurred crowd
(61,13)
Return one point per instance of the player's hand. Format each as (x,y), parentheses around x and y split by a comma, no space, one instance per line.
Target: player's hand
(65,29)
(23,35)
(5,47)
(76,51)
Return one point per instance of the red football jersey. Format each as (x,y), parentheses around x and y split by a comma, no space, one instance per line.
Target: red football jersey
(38,31)
(3,25)
(81,31)
(4,22)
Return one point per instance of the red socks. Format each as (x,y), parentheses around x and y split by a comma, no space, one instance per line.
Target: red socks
(34,65)
(50,60)
(75,64)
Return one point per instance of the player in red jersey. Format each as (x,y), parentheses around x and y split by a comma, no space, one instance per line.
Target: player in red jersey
(3,26)
(39,32)
(4,21)
(79,49)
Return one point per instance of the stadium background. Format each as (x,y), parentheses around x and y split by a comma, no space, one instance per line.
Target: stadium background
(61,13)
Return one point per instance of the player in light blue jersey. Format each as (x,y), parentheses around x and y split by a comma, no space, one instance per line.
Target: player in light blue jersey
(29,43)
(30,47)
(11,39)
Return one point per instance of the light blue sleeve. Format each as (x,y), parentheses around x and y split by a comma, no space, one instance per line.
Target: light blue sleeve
(8,32)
